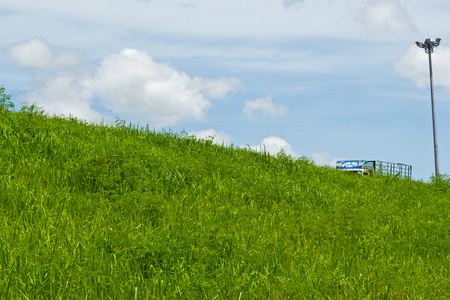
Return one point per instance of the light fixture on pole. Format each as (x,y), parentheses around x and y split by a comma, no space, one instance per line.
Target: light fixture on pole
(429,46)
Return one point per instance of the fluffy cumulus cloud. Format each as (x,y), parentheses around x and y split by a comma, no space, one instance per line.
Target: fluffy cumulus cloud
(128,83)
(414,65)
(273,145)
(219,138)
(386,16)
(132,83)
(264,106)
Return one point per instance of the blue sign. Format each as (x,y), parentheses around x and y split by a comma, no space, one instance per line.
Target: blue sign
(350,164)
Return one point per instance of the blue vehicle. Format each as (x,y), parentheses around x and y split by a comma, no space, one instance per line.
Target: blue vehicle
(375,167)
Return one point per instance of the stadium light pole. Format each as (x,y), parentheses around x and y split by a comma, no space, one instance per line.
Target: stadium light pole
(429,46)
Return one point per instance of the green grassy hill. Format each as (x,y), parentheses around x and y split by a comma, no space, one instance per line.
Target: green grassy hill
(100,212)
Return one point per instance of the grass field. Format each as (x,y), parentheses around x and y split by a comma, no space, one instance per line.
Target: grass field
(121,212)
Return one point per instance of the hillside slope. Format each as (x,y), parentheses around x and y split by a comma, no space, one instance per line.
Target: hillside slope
(92,211)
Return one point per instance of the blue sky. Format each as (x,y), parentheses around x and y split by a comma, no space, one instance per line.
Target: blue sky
(325,79)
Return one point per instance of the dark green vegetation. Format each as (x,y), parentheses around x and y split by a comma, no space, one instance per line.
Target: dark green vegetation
(92,211)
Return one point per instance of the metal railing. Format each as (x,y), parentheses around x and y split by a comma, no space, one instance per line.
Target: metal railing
(393,169)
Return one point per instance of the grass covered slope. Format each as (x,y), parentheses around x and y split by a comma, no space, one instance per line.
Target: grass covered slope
(90,211)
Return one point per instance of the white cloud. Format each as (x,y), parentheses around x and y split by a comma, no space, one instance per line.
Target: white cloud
(414,65)
(215,88)
(273,145)
(265,106)
(131,82)
(386,16)
(37,54)
(32,54)
(219,138)
(324,159)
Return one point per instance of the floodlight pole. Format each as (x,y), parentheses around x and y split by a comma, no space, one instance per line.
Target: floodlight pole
(429,46)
